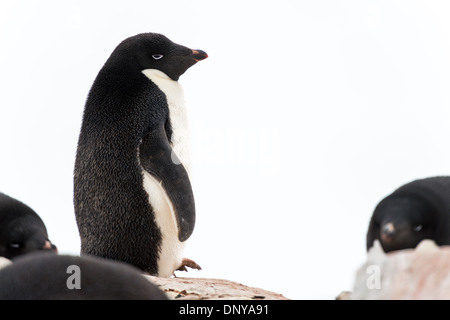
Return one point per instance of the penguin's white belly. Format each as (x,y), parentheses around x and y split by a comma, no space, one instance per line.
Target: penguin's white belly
(171,250)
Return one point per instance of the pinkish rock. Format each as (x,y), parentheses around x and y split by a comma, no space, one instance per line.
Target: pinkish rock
(211,289)
(420,274)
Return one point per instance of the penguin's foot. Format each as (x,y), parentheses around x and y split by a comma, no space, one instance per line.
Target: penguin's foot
(188,263)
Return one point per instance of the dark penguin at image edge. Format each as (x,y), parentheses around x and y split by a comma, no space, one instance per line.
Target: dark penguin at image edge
(21,229)
(40,276)
(416,211)
(132,193)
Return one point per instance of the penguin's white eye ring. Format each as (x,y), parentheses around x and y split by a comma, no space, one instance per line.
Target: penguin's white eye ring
(14,245)
(417,227)
(157,56)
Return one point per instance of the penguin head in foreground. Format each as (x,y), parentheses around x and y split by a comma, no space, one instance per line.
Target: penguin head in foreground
(401,223)
(24,235)
(21,229)
(156,51)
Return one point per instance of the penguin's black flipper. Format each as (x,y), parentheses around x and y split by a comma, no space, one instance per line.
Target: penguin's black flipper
(158,159)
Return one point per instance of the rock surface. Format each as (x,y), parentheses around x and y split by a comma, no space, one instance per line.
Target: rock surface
(414,274)
(202,288)
(211,289)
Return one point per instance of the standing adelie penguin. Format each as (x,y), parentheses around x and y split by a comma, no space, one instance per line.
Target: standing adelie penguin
(132,194)
(416,211)
(21,229)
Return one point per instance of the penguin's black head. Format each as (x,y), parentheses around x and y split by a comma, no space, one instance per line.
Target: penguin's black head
(24,235)
(401,223)
(156,51)
(21,229)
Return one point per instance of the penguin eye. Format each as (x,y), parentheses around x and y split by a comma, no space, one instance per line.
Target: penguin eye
(157,56)
(417,227)
(14,245)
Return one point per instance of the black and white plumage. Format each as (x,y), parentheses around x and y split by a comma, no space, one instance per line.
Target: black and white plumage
(416,211)
(21,229)
(40,276)
(132,193)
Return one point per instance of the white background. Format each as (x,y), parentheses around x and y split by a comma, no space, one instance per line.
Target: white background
(304,116)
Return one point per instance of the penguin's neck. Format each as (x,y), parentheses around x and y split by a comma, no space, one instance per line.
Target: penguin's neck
(177,113)
(171,88)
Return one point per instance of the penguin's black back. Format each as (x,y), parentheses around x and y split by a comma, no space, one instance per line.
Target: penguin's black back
(45,277)
(122,106)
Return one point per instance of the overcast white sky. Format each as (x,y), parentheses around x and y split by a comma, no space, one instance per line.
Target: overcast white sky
(304,116)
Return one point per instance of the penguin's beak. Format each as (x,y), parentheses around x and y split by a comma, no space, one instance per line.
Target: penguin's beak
(199,55)
(49,246)
(388,232)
